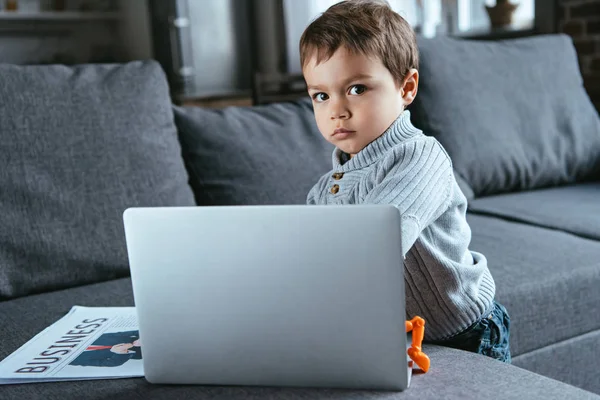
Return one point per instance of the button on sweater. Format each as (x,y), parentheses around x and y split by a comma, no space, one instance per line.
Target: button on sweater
(446,283)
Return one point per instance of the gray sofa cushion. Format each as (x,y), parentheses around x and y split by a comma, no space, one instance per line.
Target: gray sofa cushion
(574,208)
(511,114)
(268,154)
(453,374)
(77,147)
(572,353)
(547,279)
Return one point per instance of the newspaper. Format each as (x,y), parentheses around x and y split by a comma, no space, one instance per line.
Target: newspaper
(87,343)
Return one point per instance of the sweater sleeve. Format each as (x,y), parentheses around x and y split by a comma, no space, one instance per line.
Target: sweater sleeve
(417,178)
(311,198)
(315,194)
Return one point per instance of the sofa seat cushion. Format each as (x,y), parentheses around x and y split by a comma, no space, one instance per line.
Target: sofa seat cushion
(79,145)
(573,208)
(270,154)
(503,114)
(454,374)
(573,353)
(547,279)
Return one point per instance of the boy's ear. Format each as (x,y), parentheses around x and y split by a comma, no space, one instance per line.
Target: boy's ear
(410,86)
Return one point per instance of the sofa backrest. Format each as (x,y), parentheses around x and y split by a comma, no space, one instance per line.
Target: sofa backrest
(79,145)
(513,115)
(270,154)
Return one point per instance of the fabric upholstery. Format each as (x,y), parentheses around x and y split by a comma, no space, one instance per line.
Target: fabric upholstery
(548,280)
(572,361)
(79,145)
(453,374)
(269,154)
(574,208)
(511,114)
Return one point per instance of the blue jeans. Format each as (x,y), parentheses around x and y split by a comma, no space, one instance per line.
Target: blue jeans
(488,336)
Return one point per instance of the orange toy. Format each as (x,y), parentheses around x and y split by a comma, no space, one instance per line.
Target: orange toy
(417,326)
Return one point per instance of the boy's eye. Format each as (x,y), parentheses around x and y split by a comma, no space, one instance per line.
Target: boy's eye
(357,89)
(320,97)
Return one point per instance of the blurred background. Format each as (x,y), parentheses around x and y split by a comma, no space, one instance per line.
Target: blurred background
(243,52)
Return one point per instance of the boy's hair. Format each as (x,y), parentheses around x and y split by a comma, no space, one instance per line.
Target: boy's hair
(369,27)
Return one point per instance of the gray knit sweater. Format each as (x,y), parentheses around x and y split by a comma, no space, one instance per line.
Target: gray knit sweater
(446,283)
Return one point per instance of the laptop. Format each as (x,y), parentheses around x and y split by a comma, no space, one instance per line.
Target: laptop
(302,296)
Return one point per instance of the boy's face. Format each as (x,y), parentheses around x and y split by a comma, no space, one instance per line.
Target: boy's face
(355,98)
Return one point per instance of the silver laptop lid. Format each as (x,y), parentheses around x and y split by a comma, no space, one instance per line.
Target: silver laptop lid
(270,295)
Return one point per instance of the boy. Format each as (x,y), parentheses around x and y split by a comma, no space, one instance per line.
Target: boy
(360,60)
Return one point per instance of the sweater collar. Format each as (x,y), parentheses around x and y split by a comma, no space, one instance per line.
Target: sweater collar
(400,130)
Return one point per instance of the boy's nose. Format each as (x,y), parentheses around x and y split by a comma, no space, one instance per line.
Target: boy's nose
(340,113)
(339,116)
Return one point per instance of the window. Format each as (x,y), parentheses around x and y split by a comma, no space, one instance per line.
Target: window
(472,15)
(298,14)
(427,16)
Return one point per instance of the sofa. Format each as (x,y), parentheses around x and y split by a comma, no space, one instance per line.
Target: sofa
(80,144)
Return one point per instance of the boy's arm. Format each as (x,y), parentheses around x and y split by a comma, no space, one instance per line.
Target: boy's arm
(315,193)
(311,198)
(416,178)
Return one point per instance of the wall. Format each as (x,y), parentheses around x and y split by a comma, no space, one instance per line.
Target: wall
(581,20)
(220,46)
(77,41)
(134,30)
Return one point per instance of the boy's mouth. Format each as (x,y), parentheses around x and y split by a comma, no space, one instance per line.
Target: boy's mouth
(341,133)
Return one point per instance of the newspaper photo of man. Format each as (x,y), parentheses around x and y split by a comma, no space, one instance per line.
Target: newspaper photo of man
(111,350)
